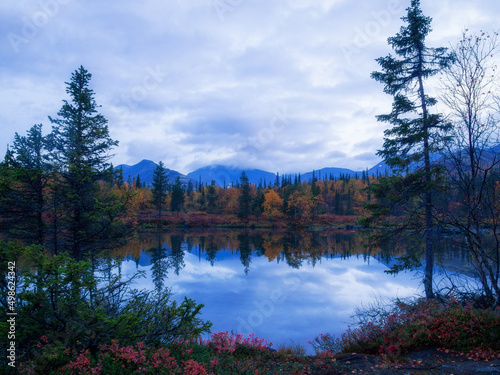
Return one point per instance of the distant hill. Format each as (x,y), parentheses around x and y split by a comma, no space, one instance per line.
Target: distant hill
(379,170)
(145,170)
(228,176)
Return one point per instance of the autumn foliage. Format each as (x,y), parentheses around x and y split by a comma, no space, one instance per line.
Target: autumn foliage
(288,203)
(414,326)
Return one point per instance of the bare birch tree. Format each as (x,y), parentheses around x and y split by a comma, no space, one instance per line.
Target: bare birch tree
(470,89)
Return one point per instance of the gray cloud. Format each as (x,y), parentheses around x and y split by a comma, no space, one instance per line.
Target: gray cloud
(284,86)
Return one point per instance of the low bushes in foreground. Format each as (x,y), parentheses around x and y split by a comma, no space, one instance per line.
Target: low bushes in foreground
(408,327)
(224,353)
(415,326)
(65,306)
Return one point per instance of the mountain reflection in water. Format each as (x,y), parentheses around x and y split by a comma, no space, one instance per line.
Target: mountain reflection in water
(287,287)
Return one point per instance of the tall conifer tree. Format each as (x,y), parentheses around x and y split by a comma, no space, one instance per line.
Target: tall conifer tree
(31,171)
(245,198)
(178,197)
(81,146)
(408,145)
(160,185)
(211,197)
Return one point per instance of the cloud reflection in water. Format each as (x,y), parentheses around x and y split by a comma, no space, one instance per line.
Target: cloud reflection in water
(281,304)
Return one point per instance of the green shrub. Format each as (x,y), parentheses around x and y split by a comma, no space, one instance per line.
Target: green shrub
(65,310)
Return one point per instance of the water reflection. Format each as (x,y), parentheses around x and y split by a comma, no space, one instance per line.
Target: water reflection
(284,286)
(294,248)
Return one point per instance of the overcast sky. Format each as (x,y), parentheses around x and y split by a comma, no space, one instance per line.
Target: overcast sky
(281,85)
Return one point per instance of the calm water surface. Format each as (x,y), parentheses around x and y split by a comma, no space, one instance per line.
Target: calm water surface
(284,287)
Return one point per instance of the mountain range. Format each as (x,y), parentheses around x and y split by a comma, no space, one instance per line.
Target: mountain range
(145,170)
(227,176)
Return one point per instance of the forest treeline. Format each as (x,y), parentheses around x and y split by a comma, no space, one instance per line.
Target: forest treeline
(288,201)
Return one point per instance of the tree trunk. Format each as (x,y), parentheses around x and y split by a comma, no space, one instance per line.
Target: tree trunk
(429,232)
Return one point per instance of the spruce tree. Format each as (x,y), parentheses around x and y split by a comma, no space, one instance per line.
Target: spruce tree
(258,203)
(160,185)
(189,188)
(178,197)
(211,197)
(80,152)
(245,199)
(315,189)
(408,145)
(28,160)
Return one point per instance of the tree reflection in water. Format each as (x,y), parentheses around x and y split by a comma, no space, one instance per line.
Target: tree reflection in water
(166,251)
(282,285)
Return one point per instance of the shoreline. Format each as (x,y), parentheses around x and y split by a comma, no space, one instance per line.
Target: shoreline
(146,220)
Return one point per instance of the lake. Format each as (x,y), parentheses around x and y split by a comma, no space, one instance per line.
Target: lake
(286,287)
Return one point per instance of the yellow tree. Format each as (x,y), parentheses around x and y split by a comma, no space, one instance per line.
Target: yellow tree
(300,205)
(272,205)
